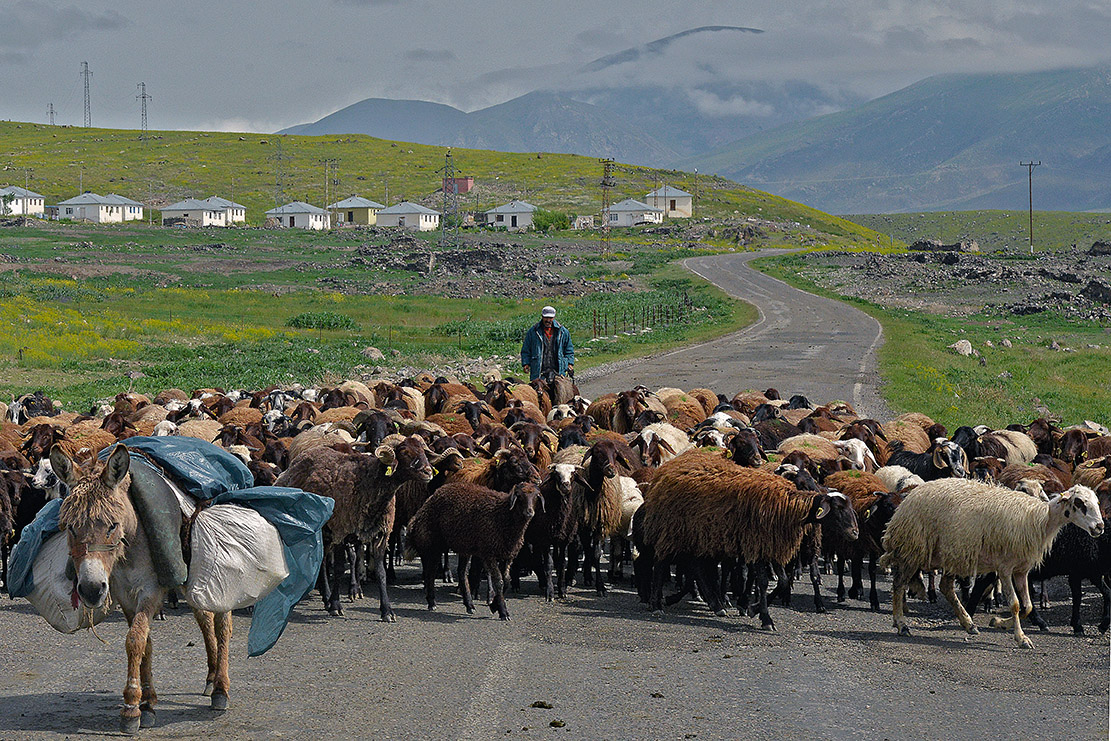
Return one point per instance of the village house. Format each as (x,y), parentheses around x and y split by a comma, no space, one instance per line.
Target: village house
(675,203)
(516,216)
(234,213)
(109,209)
(355,210)
(300,215)
(407,215)
(192,212)
(22,202)
(631,212)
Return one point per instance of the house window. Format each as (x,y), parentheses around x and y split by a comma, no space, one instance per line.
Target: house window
(613,217)
(672,206)
(69,211)
(500,218)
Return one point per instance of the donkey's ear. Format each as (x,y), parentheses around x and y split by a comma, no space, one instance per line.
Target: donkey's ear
(61,465)
(116,467)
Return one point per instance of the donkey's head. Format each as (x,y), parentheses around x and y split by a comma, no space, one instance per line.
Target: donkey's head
(98,517)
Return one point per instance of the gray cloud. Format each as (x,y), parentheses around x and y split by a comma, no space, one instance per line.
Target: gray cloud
(429,55)
(30,23)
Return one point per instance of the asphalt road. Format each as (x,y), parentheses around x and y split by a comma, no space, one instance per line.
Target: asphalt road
(799,344)
(605,666)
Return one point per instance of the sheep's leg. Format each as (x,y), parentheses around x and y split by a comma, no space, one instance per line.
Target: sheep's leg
(1105,592)
(745,602)
(429,565)
(586,540)
(660,571)
(816,581)
(950,594)
(931,590)
(391,557)
(598,541)
(334,564)
(642,575)
(544,571)
(763,574)
(355,558)
(615,558)
(899,582)
(384,606)
(706,573)
(856,571)
(1013,621)
(559,558)
(572,551)
(737,584)
(975,596)
(1076,582)
(785,579)
(840,579)
(873,593)
(525,561)
(445,568)
(497,588)
(465,583)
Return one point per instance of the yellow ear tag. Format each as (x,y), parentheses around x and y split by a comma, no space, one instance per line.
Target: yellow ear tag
(389,470)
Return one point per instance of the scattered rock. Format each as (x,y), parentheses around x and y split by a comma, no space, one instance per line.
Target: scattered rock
(373,353)
(1055,346)
(962,347)
(1005,343)
(1100,248)
(541,704)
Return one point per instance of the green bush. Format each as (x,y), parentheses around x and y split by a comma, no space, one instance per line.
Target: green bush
(321,320)
(545,221)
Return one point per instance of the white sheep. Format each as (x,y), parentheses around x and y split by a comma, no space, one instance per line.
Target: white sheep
(857,452)
(898,478)
(965,528)
(165,428)
(677,441)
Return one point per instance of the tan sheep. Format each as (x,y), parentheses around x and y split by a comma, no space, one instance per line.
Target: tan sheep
(910,432)
(241,416)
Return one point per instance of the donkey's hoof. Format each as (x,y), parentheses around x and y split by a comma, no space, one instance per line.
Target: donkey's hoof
(208,689)
(148,718)
(219,701)
(388,618)
(129,726)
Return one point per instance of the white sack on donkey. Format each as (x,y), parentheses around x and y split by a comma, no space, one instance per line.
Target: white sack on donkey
(236,559)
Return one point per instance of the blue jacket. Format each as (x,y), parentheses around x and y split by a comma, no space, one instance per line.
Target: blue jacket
(533,347)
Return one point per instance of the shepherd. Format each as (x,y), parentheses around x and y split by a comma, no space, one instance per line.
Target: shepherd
(547,350)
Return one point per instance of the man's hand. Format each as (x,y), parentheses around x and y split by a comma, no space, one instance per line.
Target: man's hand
(526,368)
(571,367)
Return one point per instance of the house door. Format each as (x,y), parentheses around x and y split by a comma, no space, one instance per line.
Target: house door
(291,221)
(513,221)
(401,221)
(350,217)
(672,206)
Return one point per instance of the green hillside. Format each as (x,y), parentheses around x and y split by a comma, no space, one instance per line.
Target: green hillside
(948,142)
(171,165)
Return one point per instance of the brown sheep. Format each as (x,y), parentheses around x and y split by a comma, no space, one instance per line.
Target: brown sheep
(1092,473)
(596,507)
(474,521)
(1050,480)
(167,395)
(601,410)
(707,398)
(910,433)
(363,488)
(1099,447)
(451,422)
(684,411)
(241,416)
(337,414)
(916,418)
(704,507)
(203,429)
(747,401)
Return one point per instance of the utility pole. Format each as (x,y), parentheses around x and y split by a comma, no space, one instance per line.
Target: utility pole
(609,182)
(1030,172)
(330,167)
(142,96)
(88,104)
(50,113)
(27,173)
(449,234)
(278,158)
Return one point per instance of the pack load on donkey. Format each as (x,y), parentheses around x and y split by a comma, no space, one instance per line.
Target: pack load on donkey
(125,520)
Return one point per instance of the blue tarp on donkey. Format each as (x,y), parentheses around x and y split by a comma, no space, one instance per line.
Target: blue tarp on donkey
(210,473)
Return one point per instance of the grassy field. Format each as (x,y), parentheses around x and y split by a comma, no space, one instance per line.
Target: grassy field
(87,311)
(60,161)
(1012,385)
(994,230)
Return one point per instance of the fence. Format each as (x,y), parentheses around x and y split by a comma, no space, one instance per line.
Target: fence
(606,322)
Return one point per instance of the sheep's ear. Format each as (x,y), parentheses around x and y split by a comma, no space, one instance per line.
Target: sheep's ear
(513,498)
(580,476)
(62,465)
(819,509)
(624,461)
(540,503)
(117,466)
(386,454)
(938,461)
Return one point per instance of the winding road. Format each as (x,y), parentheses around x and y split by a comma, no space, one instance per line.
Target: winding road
(800,343)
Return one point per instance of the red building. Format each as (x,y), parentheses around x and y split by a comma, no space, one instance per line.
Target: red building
(463,184)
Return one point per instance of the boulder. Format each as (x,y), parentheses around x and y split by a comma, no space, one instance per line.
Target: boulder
(373,353)
(962,347)
(1097,290)
(1100,248)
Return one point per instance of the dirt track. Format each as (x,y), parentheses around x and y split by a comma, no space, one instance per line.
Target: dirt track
(609,670)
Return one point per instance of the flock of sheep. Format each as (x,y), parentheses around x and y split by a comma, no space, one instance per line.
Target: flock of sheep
(718,494)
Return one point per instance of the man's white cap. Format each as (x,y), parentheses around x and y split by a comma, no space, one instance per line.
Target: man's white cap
(547,311)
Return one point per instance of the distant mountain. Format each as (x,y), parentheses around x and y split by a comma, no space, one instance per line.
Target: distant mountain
(947,142)
(415,121)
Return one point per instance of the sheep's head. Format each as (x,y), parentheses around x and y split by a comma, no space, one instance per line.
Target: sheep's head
(841,517)
(512,466)
(563,476)
(948,455)
(405,460)
(1080,506)
(987,468)
(744,448)
(524,500)
(602,459)
(880,512)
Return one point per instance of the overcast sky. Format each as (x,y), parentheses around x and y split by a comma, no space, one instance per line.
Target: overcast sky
(260,66)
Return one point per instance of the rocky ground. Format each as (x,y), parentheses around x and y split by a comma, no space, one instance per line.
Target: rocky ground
(1076,283)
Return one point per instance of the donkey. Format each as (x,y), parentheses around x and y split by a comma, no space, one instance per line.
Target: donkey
(112,562)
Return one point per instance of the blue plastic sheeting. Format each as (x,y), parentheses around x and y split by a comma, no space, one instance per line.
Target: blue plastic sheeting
(21,578)
(200,468)
(298,517)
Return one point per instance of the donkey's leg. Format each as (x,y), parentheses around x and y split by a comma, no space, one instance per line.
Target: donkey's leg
(136,644)
(208,631)
(220,693)
(385,609)
(147,716)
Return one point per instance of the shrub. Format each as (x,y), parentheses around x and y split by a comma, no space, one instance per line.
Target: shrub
(321,320)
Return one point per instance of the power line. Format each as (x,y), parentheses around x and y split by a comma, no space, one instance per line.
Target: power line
(143,97)
(449,232)
(609,182)
(88,103)
(1030,173)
